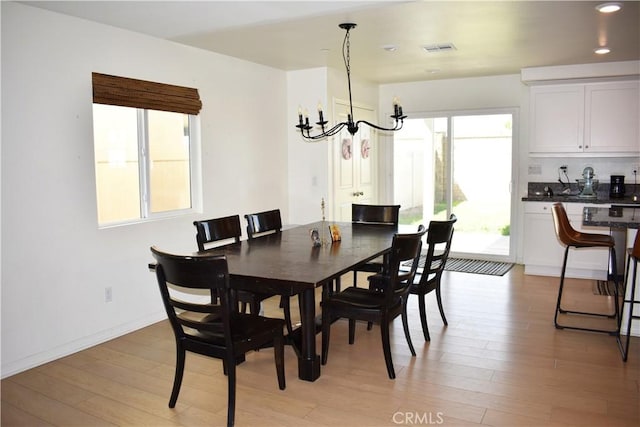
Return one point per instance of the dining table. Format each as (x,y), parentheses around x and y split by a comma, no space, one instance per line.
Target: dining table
(289,263)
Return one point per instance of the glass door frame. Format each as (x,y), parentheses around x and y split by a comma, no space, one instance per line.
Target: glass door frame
(387,153)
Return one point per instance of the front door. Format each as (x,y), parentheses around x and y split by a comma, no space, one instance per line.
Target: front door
(354,160)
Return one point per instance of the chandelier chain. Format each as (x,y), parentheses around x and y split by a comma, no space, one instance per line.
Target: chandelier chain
(352,126)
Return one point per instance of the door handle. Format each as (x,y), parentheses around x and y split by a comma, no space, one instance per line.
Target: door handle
(358,193)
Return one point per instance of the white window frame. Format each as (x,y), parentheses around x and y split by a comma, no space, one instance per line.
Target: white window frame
(195,174)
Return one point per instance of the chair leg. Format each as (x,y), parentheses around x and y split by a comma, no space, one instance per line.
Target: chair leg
(439,300)
(231,393)
(422,305)
(615,314)
(560,289)
(285,303)
(177,380)
(352,331)
(386,346)
(278,352)
(624,347)
(326,332)
(405,326)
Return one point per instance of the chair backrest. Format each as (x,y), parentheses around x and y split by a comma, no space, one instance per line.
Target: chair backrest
(186,274)
(439,238)
(375,214)
(405,247)
(217,230)
(564,231)
(262,223)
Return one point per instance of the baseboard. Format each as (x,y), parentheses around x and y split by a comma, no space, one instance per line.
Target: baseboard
(38,359)
(573,273)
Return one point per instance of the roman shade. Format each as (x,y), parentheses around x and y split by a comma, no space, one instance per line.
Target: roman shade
(126,92)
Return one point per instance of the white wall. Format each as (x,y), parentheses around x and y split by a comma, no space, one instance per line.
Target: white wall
(308,161)
(56,263)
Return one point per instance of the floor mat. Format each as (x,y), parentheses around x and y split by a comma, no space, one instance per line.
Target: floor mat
(492,268)
(606,288)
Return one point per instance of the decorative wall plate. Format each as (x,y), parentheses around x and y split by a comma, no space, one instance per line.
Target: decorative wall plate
(346,148)
(364,148)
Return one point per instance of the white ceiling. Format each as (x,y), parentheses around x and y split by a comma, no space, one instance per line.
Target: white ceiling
(491,38)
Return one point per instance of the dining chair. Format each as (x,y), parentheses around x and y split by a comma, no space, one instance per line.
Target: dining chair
(261,224)
(373,215)
(429,275)
(572,238)
(212,233)
(382,302)
(214,330)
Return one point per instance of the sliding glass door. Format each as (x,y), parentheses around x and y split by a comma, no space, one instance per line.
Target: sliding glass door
(460,164)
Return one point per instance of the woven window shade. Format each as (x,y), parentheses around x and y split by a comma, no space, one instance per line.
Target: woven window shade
(126,92)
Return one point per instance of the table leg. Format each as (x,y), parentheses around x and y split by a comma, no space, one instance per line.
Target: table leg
(308,360)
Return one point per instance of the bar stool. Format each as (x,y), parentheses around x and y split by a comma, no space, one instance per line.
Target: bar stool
(633,257)
(573,238)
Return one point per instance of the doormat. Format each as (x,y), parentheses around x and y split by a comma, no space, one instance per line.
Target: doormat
(606,288)
(461,265)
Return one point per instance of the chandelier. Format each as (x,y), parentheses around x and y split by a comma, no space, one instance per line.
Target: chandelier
(350,124)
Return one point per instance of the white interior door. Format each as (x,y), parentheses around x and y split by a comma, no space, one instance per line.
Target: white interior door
(354,160)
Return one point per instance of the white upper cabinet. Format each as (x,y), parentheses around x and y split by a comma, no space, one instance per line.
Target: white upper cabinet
(589,119)
(612,116)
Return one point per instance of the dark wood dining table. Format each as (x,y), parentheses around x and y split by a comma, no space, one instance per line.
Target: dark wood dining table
(287,263)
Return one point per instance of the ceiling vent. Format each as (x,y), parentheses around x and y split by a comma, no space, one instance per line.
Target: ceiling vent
(439,47)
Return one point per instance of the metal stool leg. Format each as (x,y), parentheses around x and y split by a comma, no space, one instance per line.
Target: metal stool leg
(616,314)
(624,346)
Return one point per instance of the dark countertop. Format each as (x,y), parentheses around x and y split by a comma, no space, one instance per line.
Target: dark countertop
(628,217)
(627,200)
(536,193)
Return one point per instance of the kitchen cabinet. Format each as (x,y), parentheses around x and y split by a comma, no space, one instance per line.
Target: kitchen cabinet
(543,253)
(588,119)
(611,117)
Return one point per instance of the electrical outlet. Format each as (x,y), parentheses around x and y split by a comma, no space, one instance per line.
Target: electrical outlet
(108,294)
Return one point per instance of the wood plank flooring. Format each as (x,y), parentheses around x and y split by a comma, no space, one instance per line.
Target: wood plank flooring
(500,362)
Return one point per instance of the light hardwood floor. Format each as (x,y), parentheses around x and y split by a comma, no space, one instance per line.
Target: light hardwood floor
(499,362)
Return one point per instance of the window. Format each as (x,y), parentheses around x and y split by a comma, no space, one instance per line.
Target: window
(143,156)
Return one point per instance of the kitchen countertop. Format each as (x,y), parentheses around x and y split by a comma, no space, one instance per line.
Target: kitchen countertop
(627,200)
(536,193)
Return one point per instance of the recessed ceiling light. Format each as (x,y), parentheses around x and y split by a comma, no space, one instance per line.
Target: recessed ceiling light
(609,7)
(602,50)
(390,47)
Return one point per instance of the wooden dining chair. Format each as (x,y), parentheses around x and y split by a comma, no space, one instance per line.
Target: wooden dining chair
(373,215)
(429,275)
(265,223)
(214,330)
(262,223)
(382,302)
(212,233)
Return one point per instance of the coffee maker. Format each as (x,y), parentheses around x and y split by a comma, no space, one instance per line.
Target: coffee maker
(616,188)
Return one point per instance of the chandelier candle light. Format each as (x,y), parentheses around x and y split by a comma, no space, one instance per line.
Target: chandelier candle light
(351,124)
